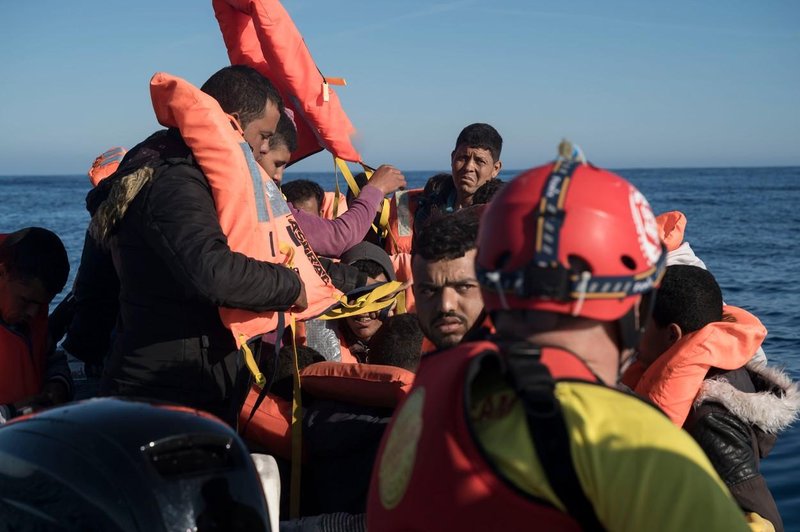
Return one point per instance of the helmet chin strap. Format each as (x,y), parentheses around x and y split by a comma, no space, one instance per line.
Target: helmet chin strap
(630,327)
(628,334)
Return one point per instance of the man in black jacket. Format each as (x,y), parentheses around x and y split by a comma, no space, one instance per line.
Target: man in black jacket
(175,268)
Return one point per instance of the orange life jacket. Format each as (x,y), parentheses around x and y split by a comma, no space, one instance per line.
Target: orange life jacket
(672,226)
(674,379)
(402,210)
(251,210)
(22,358)
(260,34)
(106,164)
(428,454)
(402,270)
(328,203)
(362,384)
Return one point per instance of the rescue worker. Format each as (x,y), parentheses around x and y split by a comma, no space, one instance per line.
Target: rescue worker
(528,431)
(33,269)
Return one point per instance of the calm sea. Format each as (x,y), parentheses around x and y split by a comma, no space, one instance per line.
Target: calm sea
(742,222)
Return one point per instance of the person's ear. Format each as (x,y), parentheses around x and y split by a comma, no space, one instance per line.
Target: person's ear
(452,156)
(497,166)
(235,116)
(675,333)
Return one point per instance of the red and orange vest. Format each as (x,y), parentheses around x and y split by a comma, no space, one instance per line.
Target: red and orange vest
(22,358)
(429,454)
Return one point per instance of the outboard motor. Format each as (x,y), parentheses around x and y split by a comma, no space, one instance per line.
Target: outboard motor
(121,465)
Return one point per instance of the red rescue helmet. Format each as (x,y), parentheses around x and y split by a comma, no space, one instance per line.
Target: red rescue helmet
(569,238)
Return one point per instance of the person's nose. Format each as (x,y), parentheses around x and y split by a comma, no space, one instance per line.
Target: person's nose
(448,300)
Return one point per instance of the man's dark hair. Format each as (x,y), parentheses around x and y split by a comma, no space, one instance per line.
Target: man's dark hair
(436,184)
(302,190)
(486,191)
(688,296)
(481,136)
(285,134)
(397,343)
(369,267)
(36,253)
(447,236)
(242,90)
(282,380)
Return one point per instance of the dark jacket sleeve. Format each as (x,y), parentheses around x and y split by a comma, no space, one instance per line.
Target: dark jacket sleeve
(95,305)
(333,237)
(181,226)
(730,445)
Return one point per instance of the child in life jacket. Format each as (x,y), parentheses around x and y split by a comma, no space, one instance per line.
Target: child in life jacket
(355,332)
(697,354)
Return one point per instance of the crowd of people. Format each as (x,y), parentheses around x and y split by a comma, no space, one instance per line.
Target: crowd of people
(516,375)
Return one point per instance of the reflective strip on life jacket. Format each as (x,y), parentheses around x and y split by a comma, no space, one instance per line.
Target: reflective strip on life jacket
(674,379)
(402,210)
(260,34)
(251,210)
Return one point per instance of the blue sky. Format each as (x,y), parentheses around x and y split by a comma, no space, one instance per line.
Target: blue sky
(684,83)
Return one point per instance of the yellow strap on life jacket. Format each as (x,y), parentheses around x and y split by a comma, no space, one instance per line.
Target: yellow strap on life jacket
(378,299)
(336,195)
(297,430)
(401,302)
(250,361)
(383,222)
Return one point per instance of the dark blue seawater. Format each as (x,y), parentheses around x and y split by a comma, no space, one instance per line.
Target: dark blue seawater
(742,222)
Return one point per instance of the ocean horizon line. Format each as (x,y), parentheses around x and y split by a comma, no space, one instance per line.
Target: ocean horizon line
(433,171)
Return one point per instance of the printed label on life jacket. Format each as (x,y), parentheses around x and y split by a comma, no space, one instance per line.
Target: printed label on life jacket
(300,239)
